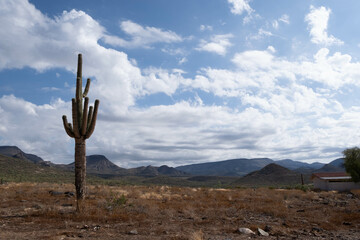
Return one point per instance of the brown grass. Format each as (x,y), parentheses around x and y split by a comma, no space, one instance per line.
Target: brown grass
(28,211)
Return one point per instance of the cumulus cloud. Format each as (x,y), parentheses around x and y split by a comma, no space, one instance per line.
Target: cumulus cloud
(35,128)
(141,36)
(317,20)
(277,113)
(218,44)
(240,6)
(30,39)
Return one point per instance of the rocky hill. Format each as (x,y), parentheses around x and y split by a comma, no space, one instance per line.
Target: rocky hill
(99,164)
(151,171)
(272,175)
(330,168)
(15,152)
(17,169)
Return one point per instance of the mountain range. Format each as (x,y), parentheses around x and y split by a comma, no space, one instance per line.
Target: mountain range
(242,171)
(243,166)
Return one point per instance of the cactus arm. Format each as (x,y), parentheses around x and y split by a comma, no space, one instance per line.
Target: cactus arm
(75,119)
(79,67)
(89,117)
(67,127)
(93,120)
(87,86)
(84,120)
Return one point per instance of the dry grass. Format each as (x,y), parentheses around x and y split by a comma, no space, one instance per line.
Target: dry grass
(29,211)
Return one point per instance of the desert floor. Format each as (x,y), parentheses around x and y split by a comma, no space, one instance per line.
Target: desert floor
(45,211)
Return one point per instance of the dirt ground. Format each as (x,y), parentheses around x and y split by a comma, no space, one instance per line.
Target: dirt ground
(48,211)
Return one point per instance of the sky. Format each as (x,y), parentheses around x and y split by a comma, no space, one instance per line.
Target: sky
(182,82)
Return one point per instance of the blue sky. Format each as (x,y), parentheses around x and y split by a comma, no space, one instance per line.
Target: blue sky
(183,82)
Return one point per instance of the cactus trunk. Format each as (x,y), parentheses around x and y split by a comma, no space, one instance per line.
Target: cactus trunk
(80,168)
(83,125)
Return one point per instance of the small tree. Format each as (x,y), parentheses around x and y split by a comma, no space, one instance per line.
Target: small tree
(352,162)
(83,126)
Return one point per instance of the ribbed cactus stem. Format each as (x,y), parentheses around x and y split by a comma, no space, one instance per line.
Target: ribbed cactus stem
(89,117)
(93,120)
(84,119)
(75,117)
(68,127)
(87,86)
(83,125)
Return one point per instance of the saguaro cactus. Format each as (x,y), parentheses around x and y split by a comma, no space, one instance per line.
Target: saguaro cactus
(83,126)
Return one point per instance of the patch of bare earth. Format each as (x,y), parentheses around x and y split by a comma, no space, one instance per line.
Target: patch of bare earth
(31,211)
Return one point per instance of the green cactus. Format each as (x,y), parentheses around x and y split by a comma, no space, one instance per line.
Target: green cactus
(83,126)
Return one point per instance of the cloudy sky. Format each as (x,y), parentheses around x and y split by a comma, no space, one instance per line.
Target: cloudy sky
(183,82)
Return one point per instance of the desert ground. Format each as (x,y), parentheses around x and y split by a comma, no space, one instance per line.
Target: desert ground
(48,211)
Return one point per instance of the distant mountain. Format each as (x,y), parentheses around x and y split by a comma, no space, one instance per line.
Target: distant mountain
(170,171)
(338,162)
(151,171)
(15,152)
(21,169)
(233,167)
(99,164)
(330,168)
(292,165)
(242,166)
(271,175)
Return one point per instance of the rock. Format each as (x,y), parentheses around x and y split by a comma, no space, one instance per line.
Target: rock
(262,232)
(268,228)
(85,227)
(66,205)
(133,232)
(317,229)
(300,210)
(350,195)
(347,223)
(69,194)
(245,231)
(36,206)
(55,193)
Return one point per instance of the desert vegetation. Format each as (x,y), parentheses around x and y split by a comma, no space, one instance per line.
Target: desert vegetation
(48,211)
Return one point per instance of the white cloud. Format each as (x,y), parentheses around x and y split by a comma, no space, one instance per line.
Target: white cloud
(182,60)
(240,6)
(174,51)
(279,114)
(275,24)
(261,34)
(206,27)
(317,20)
(141,36)
(218,44)
(285,19)
(35,129)
(160,80)
(50,89)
